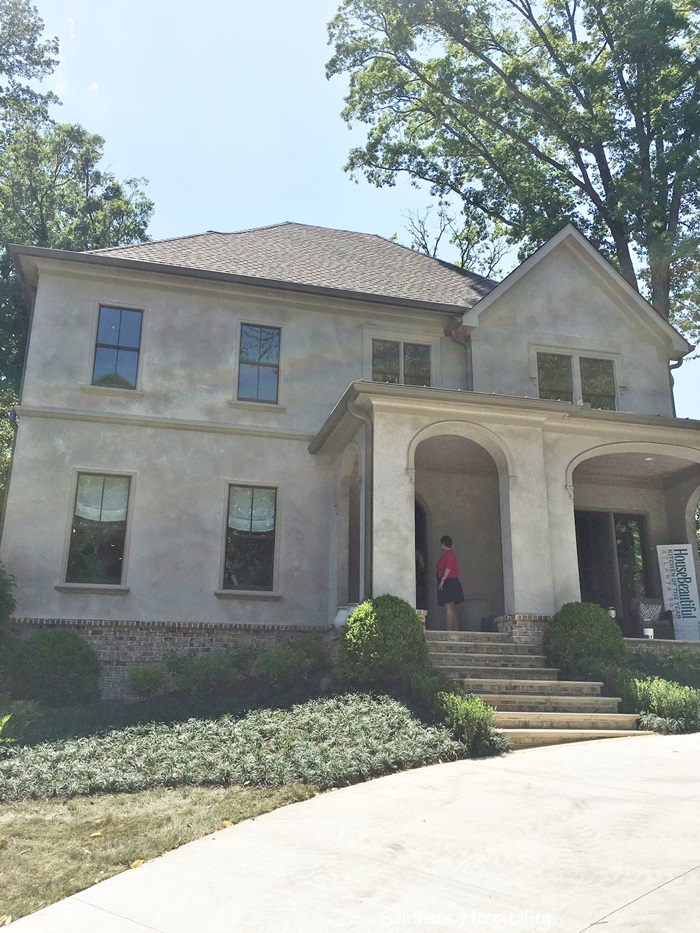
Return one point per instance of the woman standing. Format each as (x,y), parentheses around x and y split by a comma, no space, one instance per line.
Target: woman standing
(450,592)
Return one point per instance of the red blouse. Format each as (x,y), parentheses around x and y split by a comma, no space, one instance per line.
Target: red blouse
(448,561)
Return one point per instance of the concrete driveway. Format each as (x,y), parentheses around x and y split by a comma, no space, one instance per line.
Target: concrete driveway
(601,835)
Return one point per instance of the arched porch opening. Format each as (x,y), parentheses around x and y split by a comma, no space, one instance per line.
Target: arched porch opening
(457,487)
(628,501)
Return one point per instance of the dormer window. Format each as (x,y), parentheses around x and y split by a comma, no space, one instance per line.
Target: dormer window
(567,377)
(400,362)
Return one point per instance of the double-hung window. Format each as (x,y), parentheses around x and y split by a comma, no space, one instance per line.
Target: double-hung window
(98,532)
(250,538)
(400,362)
(567,378)
(259,363)
(117,348)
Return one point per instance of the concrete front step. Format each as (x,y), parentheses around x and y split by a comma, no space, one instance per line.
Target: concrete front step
(551,704)
(451,648)
(533,738)
(583,688)
(467,637)
(487,660)
(530,720)
(505,673)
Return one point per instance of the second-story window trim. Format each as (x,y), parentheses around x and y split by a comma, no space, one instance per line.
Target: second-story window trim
(577,377)
(259,363)
(401,362)
(117,347)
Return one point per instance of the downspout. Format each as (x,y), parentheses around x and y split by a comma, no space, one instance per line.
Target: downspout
(368,488)
(672,366)
(464,340)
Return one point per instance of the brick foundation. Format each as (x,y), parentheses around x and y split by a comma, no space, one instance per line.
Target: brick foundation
(523,629)
(120,645)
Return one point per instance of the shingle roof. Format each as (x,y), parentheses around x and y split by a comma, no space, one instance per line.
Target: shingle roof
(317,256)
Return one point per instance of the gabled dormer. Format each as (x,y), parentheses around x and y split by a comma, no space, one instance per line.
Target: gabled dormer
(566,325)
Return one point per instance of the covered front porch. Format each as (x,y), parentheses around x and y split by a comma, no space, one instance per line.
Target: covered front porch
(546,502)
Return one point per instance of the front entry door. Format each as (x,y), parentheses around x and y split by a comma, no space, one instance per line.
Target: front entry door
(612,558)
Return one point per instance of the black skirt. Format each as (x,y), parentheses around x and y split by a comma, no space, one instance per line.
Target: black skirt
(451,592)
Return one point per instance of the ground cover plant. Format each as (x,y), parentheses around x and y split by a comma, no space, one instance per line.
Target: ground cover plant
(324,743)
(50,849)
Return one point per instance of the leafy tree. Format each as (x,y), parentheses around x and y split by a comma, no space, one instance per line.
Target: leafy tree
(540,113)
(53,191)
(481,244)
(24,57)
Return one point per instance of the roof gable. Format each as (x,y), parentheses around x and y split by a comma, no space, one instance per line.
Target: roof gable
(627,299)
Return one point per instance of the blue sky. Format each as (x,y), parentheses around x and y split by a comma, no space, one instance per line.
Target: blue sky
(225,108)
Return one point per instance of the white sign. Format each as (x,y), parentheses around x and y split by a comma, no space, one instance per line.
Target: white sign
(680,589)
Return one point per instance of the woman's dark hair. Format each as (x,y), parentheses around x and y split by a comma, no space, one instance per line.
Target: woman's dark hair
(446,540)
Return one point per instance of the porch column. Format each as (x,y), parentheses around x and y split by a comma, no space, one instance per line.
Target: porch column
(393,521)
(527,563)
(562,537)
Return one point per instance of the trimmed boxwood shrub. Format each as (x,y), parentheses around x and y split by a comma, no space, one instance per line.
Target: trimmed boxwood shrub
(292,671)
(384,649)
(580,634)
(146,681)
(217,674)
(57,668)
(383,636)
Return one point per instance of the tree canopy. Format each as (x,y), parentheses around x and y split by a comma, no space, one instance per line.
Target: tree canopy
(540,113)
(53,190)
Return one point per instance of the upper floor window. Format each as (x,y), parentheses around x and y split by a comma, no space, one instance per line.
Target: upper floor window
(98,532)
(250,538)
(401,363)
(564,378)
(259,363)
(117,348)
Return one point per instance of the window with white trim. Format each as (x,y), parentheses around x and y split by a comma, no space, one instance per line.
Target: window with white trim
(570,377)
(249,561)
(98,532)
(401,362)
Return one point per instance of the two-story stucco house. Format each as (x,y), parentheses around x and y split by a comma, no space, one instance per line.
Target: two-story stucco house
(256,428)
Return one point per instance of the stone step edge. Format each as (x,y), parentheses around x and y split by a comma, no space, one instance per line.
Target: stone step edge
(555,736)
(517,680)
(498,661)
(545,698)
(502,716)
(444,635)
(502,673)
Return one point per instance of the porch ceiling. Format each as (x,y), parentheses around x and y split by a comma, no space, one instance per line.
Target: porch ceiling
(633,466)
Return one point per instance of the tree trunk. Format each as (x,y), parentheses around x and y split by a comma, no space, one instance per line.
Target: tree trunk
(660,269)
